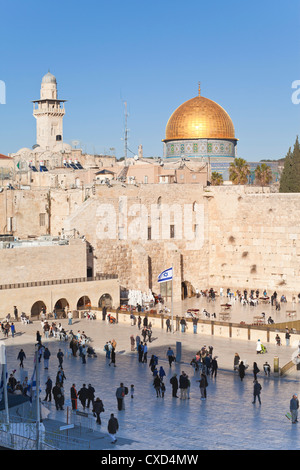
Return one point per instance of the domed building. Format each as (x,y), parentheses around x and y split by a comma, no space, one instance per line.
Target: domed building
(200,129)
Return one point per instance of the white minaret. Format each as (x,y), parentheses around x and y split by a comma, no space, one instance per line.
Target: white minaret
(49,113)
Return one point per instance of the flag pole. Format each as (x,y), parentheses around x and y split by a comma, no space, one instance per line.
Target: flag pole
(4,379)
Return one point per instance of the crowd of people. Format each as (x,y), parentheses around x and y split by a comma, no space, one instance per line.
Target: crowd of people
(204,365)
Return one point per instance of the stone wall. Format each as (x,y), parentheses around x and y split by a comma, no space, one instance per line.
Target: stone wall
(43,263)
(248,237)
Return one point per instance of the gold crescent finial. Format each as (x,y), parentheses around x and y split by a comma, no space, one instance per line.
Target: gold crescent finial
(199,88)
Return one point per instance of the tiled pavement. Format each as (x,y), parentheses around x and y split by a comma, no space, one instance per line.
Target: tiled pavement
(227,419)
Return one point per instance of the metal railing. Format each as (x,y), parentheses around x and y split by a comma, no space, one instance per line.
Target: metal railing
(98,277)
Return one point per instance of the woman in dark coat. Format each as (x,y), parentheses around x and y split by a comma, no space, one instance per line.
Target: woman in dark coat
(113,357)
(255,370)
(242,369)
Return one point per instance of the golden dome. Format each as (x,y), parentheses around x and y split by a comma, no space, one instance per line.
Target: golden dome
(199,118)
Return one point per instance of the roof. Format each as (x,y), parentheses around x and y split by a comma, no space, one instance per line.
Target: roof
(105,172)
(5,157)
(13,400)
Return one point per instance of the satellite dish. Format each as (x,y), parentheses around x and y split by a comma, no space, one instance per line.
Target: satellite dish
(75,143)
(136,157)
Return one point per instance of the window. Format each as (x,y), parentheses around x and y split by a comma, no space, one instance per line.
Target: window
(149,232)
(172,231)
(42,220)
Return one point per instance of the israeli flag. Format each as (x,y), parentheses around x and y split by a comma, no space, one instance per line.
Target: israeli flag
(166,275)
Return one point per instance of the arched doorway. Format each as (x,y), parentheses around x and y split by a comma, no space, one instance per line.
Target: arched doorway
(37,308)
(83,303)
(105,300)
(61,306)
(187,290)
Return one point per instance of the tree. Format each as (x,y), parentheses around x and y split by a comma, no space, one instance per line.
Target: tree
(216,178)
(263,174)
(239,171)
(290,178)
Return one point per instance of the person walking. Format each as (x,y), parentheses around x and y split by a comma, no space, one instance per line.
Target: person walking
(132,342)
(46,355)
(140,351)
(183,385)
(170,356)
(156,385)
(83,354)
(161,373)
(112,428)
(183,325)
(74,397)
(120,394)
(256,391)
(60,357)
(267,368)
(97,409)
(255,370)
(236,361)
(214,367)
(145,351)
(242,369)
(90,395)
(12,329)
(294,405)
(58,396)
(48,389)
(168,325)
(258,347)
(83,395)
(174,383)
(21,357)
(195,321)
(202,385)
(60,377)
(113,357)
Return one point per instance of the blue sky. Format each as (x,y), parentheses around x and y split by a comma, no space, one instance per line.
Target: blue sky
(152,55)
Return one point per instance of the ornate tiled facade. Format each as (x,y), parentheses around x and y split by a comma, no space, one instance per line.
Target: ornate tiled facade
(199,148)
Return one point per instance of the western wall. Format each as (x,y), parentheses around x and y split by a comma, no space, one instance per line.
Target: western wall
(244,236)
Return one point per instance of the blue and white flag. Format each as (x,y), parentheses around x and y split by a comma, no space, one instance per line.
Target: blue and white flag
(166,275)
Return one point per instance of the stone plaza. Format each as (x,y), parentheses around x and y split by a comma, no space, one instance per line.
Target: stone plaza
(227,419)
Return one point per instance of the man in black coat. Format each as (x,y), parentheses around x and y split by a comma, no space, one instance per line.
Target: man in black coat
(91,395)
(174,383)
(83,395)
(58,396)
(113,427)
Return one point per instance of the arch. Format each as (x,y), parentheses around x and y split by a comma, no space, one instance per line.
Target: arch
(83,303)
(37,308)
(105,300)
(60,305)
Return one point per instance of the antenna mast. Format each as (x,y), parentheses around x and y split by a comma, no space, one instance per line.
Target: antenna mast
(125,133)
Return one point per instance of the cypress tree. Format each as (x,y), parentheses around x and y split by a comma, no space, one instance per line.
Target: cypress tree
(290,178)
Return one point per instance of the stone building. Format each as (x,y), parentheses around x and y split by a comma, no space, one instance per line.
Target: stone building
(52,273)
